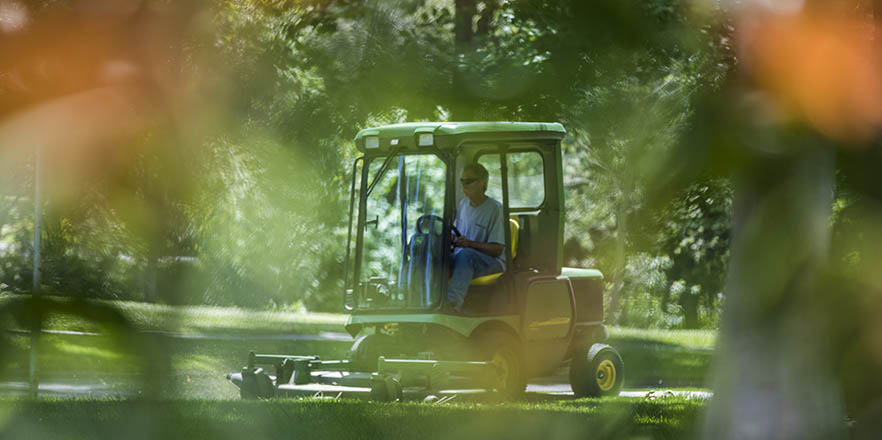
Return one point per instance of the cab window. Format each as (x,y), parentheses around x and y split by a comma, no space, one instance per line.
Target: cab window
(526,178)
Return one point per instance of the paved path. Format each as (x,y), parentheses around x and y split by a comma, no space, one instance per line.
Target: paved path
(559,385)
(563,389)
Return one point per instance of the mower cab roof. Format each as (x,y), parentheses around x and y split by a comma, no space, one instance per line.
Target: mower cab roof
(449,135)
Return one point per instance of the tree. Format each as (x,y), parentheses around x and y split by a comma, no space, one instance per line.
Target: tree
(696,235)
(789,306)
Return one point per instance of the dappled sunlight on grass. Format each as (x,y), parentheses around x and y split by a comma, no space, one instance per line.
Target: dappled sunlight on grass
(63,355)
(195,319)
(193,362)
(83,350)
(686,338)
(213,319)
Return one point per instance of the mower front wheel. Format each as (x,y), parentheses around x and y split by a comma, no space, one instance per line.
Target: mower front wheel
(599,371)
(367,349)
(256,385)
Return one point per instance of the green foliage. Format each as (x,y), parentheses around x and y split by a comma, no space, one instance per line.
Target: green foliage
(644,280)
(620,133)
(256,216)
(260,234)
(83,251)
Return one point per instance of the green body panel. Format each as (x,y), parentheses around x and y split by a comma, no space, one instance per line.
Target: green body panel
(575,273)
(447,133)
(548,313)
(463,325)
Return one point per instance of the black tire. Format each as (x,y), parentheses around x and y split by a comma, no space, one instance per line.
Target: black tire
(505,351)
(367,349)
(386,389)
(256,385)
(598,371)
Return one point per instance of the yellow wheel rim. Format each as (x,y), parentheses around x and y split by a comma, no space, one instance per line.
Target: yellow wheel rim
(606,375)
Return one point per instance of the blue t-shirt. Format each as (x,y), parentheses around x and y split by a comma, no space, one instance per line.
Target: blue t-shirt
(482,223)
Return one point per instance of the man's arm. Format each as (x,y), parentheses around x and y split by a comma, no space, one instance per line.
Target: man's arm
(491,249)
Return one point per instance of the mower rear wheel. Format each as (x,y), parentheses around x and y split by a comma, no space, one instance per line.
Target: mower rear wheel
(598,371)
(506,354)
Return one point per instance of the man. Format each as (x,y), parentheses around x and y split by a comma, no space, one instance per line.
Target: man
(479,250)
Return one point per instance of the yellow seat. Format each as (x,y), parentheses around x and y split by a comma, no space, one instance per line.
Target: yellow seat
(487,280)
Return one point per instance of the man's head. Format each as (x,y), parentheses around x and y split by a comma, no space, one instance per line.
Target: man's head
(474,179)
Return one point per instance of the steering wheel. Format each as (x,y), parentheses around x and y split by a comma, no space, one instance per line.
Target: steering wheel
(426,222)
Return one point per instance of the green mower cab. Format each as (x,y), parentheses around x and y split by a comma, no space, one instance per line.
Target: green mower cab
(515,325)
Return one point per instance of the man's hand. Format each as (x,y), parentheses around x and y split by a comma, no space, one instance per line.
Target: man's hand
(462,242)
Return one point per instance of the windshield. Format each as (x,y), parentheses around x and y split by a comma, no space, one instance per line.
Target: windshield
(402,252)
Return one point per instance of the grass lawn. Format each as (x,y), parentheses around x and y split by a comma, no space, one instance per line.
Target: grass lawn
(664,358)
(183,353)
(197,346)
(611,418)
(179,319)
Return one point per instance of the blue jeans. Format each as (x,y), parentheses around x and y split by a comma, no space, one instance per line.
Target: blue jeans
(468,264)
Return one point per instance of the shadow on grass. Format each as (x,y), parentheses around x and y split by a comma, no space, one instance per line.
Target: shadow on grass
(659,364)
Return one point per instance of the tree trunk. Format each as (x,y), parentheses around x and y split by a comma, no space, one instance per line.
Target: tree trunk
(772,379)
(689,302)
(464,14)
(150,279)
(462,108)
(615,294)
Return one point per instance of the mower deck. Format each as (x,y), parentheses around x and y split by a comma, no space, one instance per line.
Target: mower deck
(395,379)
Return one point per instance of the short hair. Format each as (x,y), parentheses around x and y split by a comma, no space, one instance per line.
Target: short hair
(479,171)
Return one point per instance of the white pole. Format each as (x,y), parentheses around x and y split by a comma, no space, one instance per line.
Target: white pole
(35,327)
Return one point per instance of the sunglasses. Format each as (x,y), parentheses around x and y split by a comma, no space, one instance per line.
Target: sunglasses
(469,181)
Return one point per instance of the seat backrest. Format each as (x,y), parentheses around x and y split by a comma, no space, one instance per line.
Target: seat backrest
(513,221)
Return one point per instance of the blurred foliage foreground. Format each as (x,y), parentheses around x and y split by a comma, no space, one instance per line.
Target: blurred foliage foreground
(195,152)
(201,153)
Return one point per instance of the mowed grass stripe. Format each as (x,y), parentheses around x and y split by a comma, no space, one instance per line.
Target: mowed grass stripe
(183,319)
